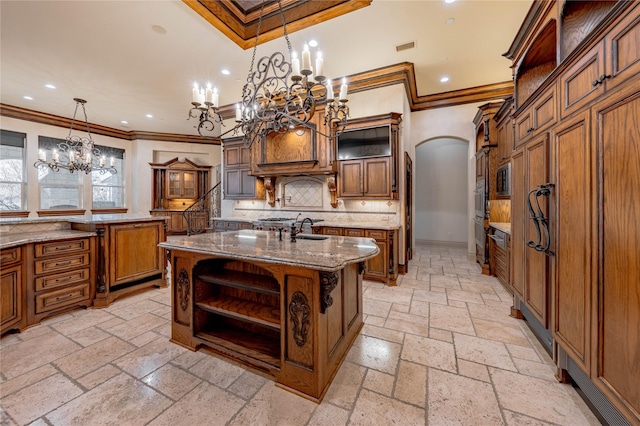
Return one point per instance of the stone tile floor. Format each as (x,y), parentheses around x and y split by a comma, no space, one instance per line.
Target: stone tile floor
(438,349)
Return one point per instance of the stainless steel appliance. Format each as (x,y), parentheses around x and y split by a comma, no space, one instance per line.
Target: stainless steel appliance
(500,238)
(503,181)
(275,223)
(480,199)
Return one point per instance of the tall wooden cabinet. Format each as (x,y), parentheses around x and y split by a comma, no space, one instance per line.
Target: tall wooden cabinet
(176,186)
(12,289)
(576,68)
(237,182)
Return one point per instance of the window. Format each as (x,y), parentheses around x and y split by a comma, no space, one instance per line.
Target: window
(58,190)
(108,189)
(13,180)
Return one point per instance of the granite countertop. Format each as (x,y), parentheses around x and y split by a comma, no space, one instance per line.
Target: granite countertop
(502,226)
(114,218)
(330,254)
(234,219)
(19,238)
(359,225)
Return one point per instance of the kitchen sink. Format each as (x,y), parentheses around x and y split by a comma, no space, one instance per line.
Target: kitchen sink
(311,237)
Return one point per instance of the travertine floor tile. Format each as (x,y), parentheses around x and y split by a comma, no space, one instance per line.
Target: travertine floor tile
(150,357)
(34,376)
(88,336)
(429,352)
(43,397)
(501,332)
(247,384)
(473,370)
(129,329)
(118,401)
(327,414)
(535,369)
(540,399)
(483,351)
(93,357)
(516,419)
(171,381)
(451,318)
(375,409)
(345,386)
(411,384)
(464,296)
(216,371)
(375,353)
(459,400)
(445,282)
(379,382)
(376,307)
(430,296)
(99,376)
(204,405)
(382,333)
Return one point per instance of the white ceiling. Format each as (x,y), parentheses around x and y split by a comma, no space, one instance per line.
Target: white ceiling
(107,53)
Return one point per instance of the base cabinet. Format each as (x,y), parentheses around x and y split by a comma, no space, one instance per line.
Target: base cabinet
(293,323)
(12,289)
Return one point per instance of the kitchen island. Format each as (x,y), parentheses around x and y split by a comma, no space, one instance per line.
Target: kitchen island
(289,309)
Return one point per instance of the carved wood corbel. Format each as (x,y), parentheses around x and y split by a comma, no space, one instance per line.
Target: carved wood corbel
(300,312)
(333,190)
(328,281)
(183,285)
(270,187)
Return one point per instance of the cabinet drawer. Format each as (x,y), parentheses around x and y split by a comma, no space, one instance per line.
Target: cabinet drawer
(354,232)
(60,247)
(332,231)
(61,263)
(378,235)
(10,255)
(63,297)
(65,278)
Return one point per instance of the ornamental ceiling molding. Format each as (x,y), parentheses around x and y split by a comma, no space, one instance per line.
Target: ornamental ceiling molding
(401,73)
(238,19)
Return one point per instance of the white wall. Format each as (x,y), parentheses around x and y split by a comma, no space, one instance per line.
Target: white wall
(440,191)
(138,155)
(456,122)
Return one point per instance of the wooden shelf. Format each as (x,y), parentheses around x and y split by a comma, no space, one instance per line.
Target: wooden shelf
(261,347)
(245,310)
(242,280)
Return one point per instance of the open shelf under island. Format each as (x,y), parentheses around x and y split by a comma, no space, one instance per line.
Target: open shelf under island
(289,309)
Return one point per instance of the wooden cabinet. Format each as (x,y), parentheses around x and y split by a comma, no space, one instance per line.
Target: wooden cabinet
(291,322)
(176,186)
(499,252)
(61,277)
(591,305)
(383,267)
(238,183)
(482,163)
(374,176)
(12,291)
(505,131)
(128,257)
(365,178)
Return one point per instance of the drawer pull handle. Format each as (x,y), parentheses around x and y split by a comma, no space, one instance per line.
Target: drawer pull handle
(68,262)
(66,296)
(62,280)
(601,80)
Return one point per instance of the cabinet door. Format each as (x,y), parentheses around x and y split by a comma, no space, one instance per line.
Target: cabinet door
(536,266)
(239,184)
(377,266)
(189,185)
(573,271)
(177,222)
(134,251)
(576,84)
(524,127)
(10,297)
(519,217)
(623,44)
(377,177)
(174,184)
(350,178)
(617,129)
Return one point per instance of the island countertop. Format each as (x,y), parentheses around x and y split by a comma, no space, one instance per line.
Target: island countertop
(329,254)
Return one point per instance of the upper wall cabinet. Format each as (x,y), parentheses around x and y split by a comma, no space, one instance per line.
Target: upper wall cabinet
(367,153)
(537,64)
(577,19)
(238,183)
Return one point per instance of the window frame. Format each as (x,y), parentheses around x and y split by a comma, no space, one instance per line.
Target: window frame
(18,140)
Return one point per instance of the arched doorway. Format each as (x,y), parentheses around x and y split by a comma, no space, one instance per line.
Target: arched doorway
(441,191)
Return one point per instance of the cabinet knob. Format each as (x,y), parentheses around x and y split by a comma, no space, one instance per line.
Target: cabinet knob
(601,80)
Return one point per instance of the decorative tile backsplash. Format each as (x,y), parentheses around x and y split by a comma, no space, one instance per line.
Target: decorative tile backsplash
(302,193)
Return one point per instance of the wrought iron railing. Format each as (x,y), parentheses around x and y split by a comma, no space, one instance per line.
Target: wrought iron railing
(198,215)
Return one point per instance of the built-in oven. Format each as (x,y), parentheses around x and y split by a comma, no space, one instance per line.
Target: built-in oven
(480,232)
(503,181)
(480,198)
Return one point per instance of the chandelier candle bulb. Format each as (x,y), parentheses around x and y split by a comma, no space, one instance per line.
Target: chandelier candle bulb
(319,67)
(201,97)
(329,90)
(215,97)
(42,156)
(343,89)
(55,156)
(71,156)
(112,162)
(102,161)
(194,94)
(295,66)
(306,60)
(238,113)
(88,158)
(209,94)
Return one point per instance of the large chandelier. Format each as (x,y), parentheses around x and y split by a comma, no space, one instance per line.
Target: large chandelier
(280,95)
(76,153)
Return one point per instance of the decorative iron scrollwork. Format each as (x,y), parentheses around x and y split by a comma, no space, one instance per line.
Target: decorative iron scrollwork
(183,288)
(299,311)
(539,220)
(328,281)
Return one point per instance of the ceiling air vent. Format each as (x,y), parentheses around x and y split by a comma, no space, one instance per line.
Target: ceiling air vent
(405,46)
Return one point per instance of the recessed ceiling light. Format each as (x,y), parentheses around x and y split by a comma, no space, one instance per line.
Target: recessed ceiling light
(124,122)
(444,79)
(313,43)
(449,1)
(450,21)
(149,116)
(225,71)
(29,98)
(49,86)
(158,29)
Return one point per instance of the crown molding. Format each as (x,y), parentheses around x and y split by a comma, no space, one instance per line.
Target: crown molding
(401,73)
